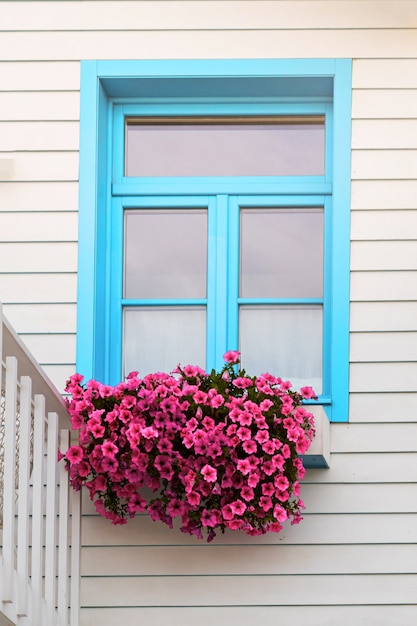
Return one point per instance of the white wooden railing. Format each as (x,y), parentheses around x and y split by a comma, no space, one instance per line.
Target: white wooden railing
(39,514)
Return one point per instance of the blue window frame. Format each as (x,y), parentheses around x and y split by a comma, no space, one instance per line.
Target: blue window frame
(112,92)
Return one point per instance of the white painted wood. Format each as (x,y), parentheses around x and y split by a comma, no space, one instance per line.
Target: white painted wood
(75,557)
(52,348)
(42,318)
(30,226)
(6,168)
(389,225)
(392,164)
(383,194)
(38,257)
(368,468)
(383,286)
(366,497)
(59,374)
(32,166)
(63,524)
(12,345)
(51,512)
(255,14)
(245,590)
(384,134)
(254,560)
(9,479)
(24,473)
(30,592)
(382,407)
(359,498)
(396,437)
(316,529)
(41,136)
(313,615)
(326,43)
(383,347)
(384,103)
(16,288)
(32,76)
(39,196)
(384,73)
(383,255)
(383,377)
(38,506)
(48,106)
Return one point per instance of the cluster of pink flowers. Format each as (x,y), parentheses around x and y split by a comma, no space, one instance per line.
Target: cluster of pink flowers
(217,450)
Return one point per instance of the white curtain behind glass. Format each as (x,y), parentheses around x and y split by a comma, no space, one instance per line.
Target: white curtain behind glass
(283,340)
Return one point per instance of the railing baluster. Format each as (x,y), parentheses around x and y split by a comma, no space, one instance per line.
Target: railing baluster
(9,479)
(37,509)
(51,488)
(75,556)
(23,494)
(63,535)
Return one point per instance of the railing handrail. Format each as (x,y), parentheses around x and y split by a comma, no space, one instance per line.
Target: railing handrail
(12,345)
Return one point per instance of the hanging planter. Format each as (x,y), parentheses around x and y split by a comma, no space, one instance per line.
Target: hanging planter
(218,450)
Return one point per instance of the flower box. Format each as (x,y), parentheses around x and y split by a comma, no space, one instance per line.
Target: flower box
(318,454)
(219,450)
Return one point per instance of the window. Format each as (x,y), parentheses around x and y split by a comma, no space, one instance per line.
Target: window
(216,218)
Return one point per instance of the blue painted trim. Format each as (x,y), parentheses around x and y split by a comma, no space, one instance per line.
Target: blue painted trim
(233,262)
(270,185)
(163,302)
(222,286)
(155,108)
(91,224)
(330,275)
(212,286)
(341,240)
(114,310)
(280,300)
(289,84)
(173,201)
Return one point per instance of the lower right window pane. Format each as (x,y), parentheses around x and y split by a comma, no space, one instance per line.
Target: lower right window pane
(285,340)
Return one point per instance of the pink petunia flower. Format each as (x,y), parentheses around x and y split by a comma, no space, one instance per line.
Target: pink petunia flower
(109,449)
(265,502)
(231,356)
(250,446)
(227,512)
(74,454)
(280,513)
(242,383)
(209,473)
(247,493)
(308,393)
(238,507)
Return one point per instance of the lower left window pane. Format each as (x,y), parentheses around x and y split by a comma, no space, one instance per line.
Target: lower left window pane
(156,339)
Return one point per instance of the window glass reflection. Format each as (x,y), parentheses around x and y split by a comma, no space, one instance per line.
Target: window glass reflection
(207,147)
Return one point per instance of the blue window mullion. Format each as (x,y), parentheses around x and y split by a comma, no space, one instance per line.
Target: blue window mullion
(280,300)
(233,275)
(164,302)
(217,333)
(212,286)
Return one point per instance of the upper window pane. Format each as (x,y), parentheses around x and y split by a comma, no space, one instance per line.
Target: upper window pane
(281,253)
(165,253)
(225,146)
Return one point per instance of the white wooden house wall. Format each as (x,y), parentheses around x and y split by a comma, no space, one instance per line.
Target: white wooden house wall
(354,558)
